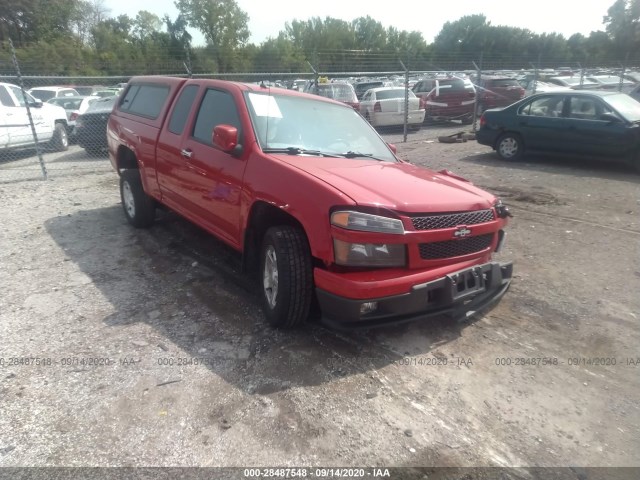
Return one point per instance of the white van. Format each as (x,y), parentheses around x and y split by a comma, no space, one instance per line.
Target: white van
(50,121)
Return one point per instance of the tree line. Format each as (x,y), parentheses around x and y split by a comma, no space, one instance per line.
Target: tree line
(80,38)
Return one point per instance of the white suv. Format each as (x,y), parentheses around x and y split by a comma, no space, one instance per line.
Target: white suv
(50,121)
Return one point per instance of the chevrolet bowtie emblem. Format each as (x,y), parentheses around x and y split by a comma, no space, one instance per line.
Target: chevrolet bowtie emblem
(461,232)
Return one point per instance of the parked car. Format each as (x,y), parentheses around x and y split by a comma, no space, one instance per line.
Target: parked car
(585,123)
(612,82)
(340,91)
(540,86)
(74,107)
(90,131)
(573,82)
(385,107)
(361,87)
(49,121)
(298,84)
(495,91)
(450,98)
(45,93)
(635,93)
(86,90)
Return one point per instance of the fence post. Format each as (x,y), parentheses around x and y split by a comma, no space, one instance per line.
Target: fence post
(581,75)
(475,102)
(26,104)
(406,101)
(623,71)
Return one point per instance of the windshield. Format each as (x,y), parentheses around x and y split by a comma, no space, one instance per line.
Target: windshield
(503,82)
(625,106)
(284,121)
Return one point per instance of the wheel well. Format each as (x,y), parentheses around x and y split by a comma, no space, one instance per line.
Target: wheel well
(262,217)
(126,159)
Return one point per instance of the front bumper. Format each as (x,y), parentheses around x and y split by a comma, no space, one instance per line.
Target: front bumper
(459,295)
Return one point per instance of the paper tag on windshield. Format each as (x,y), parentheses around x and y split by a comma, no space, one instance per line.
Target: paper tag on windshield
(265,105)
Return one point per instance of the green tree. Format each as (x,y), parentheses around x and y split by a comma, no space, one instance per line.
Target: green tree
(223,24)
(623,25)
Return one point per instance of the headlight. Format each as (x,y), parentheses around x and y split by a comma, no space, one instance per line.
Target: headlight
(369,254)
(366,222)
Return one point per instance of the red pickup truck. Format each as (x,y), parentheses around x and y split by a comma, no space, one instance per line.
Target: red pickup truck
(317,203)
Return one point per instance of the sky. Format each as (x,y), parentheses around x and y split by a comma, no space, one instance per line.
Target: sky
(268,18)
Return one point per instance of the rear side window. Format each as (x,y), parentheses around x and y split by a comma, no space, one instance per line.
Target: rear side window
(182,109)
(217,108)
(145,100)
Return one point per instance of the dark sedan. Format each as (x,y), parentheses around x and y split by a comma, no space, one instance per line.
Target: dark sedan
(91,127)
(590,124)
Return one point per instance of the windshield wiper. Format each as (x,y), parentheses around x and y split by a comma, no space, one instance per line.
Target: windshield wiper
(352,154)
(298,151)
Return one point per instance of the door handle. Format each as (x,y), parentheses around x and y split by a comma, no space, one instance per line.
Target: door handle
(186,153)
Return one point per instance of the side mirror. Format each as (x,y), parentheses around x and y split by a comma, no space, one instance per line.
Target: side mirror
(225,137)
(393,148)
(36,104)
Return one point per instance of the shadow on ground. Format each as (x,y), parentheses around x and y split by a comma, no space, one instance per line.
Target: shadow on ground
(189,288)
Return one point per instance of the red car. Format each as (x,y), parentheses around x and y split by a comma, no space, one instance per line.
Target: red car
(495,92)
(319,206)
(450,98)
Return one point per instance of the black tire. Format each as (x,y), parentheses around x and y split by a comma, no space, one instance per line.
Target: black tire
(60,140)
(139,208)
(510,146)
(287,277)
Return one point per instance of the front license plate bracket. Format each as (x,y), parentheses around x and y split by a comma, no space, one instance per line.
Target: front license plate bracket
(465,283)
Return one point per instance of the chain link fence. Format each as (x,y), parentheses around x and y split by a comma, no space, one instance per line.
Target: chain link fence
(47,121)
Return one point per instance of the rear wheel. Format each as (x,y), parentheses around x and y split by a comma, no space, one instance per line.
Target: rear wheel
(510,146)
(60,140)
(287,280)
(139,208)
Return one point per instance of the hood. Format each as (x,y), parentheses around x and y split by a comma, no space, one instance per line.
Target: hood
(401,187)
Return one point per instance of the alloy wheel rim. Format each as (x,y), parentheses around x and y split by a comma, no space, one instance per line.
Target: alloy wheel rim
(270,276)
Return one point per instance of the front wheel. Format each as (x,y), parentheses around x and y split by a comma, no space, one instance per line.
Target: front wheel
(287,279)
(139,208)
(60,140)
(510,146)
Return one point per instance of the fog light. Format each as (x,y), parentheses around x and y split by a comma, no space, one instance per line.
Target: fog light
(368,307)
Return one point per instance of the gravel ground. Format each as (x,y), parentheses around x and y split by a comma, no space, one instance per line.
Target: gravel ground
(148,348)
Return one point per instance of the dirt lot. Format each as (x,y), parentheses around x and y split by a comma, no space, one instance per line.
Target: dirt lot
(152,349)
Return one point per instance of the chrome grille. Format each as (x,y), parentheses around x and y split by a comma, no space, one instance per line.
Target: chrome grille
(455,248)
(449,220)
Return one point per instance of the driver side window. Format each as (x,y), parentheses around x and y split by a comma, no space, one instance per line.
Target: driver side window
(217,108)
